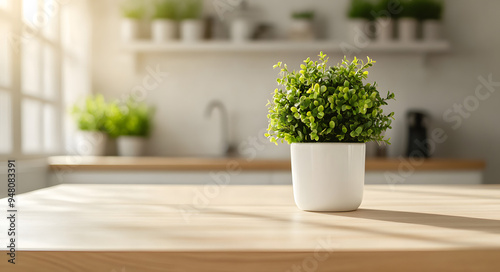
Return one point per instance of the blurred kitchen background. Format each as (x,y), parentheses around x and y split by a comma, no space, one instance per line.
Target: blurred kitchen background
(205,72)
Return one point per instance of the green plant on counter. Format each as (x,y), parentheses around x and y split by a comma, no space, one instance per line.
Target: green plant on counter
(428,9)
(320,103)
(303,15)
(129,118)
(133,9)
(190,9)
(166,9)
(361,9)
(90,114)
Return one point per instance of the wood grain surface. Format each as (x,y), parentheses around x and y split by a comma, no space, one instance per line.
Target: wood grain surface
(254,228)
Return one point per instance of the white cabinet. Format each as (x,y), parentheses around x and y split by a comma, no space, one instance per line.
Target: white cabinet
(30,175)
(253,177)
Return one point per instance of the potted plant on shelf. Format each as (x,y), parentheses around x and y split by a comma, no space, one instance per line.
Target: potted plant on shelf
(131,124)
(407,21)
(164,25)
(242,24)
(360,15)
(302,26)
(133,12)
(327,114)
(192,27)
(430,13)
(90,117)
(384,22)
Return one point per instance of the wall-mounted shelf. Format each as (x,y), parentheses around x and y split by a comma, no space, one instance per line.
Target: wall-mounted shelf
(286,46)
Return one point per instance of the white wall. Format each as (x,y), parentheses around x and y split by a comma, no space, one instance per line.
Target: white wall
(244,81)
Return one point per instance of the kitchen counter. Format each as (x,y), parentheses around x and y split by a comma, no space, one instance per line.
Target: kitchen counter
(79,163)
(253,228)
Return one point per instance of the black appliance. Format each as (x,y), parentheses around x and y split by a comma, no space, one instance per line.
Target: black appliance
(417,135)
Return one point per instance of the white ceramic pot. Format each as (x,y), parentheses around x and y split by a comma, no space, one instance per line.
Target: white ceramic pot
(192,30)
(241,30)
(131,146)
(328,177)
(91,143)
(432,30)
(384,29)
(302,30)
(163,30)
(407,29)
(130,29)
(359,32)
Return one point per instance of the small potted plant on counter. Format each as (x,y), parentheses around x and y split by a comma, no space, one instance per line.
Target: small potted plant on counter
(192,26)
(430,13)
(327,114)
(90,117)
(131,124)
(133,12)
(360,16)
(407,21)
(164,25)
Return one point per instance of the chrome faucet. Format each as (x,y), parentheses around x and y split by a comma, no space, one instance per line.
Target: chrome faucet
(229,148)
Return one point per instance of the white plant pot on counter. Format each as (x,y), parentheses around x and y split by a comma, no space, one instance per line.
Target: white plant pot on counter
(91,143)
(407,29)
(328,177)
(131,146)
(432,30)
(384,30)
(130,29)
(192,30)
(163,30)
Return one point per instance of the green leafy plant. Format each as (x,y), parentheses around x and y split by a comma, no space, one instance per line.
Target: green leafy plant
(428,9)
(387,8)
(90,114)
(327,104)
(129,118)
(361,9)
(191,9)
(408,9)
(303,15)
(133,9)
(166,9)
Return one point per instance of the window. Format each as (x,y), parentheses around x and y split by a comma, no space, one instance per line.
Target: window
(33,79)
(5,78)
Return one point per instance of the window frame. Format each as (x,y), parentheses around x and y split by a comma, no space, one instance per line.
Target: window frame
(14,18)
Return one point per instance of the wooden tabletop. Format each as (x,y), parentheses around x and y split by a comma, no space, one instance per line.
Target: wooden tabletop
(79,163)
(253,228)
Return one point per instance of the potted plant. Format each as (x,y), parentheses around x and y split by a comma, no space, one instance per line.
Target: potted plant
(327,114)
(384,21)
(192,27)
(242,25)
(131,124)
(133,12)
(360,16)
(407,21)
(164,25)
(430,13)
(90,117)
(302,26)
